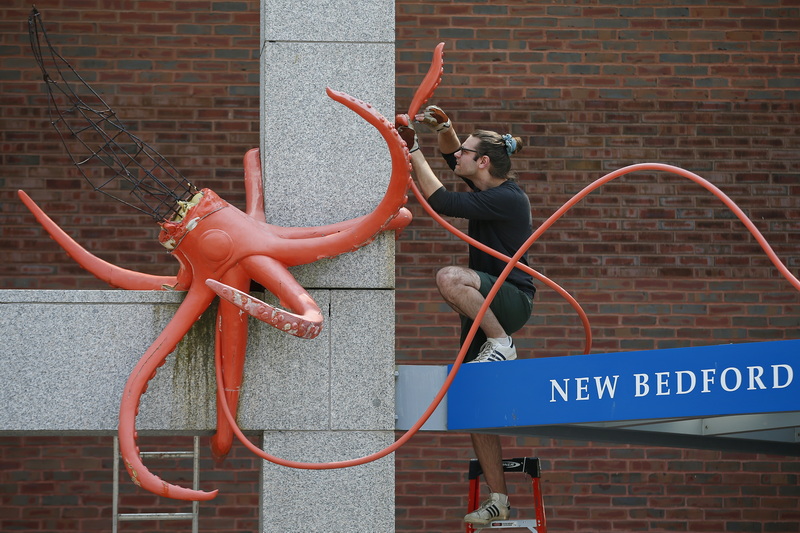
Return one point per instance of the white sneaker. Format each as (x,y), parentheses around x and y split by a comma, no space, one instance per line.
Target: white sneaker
(495,508)
(492,351)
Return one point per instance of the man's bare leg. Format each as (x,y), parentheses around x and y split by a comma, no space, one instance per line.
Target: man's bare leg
(460,288)
(490,455)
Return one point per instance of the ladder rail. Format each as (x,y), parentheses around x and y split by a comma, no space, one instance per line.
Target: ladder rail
(196,484)
(194,515)
(115,491)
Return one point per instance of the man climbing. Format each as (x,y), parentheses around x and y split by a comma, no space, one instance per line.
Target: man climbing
(499,215)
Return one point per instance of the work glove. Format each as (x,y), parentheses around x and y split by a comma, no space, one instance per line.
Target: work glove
(434,118)
(407,132)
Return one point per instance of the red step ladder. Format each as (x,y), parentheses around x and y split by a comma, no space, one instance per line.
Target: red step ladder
(526,465)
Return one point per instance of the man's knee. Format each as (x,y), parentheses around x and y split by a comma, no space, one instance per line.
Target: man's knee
(455,278)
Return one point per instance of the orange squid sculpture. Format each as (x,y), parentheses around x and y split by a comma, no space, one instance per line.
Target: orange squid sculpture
(220,250)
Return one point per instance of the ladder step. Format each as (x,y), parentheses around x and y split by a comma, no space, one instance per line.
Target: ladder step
(507,524)
(136,517)
(167,455)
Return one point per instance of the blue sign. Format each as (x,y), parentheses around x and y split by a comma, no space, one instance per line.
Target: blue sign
(762,377)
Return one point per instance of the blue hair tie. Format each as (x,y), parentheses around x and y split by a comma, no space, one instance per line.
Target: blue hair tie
(511,144)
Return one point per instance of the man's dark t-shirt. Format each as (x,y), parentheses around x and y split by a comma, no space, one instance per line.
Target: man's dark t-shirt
(499,217)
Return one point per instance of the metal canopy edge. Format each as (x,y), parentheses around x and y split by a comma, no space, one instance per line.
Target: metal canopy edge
(737,397)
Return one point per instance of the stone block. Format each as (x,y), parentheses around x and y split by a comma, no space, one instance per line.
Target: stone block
(343,379)
(365,21)
(321,162)
(357,499)
(68,354)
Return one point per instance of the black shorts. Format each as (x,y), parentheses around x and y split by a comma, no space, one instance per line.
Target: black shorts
(510,305)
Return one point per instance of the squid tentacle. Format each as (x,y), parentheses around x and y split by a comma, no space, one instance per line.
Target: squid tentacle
(111,274)
(196,301)
(305,326)
(254,194)
(397,224)
(400,216)
(255,207)
(387,214)
(430,82)
(231,345)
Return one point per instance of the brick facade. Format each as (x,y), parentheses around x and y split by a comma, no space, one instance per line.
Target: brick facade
(655,260)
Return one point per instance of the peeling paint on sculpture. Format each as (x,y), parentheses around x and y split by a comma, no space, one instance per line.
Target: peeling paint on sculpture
(133,474)
(265,312)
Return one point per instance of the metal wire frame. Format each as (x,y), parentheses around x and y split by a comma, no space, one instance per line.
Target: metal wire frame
(111,158)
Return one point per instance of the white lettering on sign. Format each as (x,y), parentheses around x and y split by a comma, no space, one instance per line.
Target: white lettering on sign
(708,378)
(688,387)
(755,377)
(705,380)
(725,382)
(606,386)
(603,385)
(583,388)
(663,383)
(642,388)
(776,376)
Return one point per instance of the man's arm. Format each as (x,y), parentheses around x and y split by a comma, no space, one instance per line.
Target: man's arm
(426,179)
(448,141)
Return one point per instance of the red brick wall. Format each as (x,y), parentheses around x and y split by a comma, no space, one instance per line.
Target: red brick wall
(655,260)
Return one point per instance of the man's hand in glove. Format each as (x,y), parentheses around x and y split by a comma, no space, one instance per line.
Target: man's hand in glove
(407,132)
(434,118)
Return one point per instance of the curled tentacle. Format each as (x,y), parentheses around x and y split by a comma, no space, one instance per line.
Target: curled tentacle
(306,327)
(399,222)
(396,224)
(354,236)
(255,208)
(197,300)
